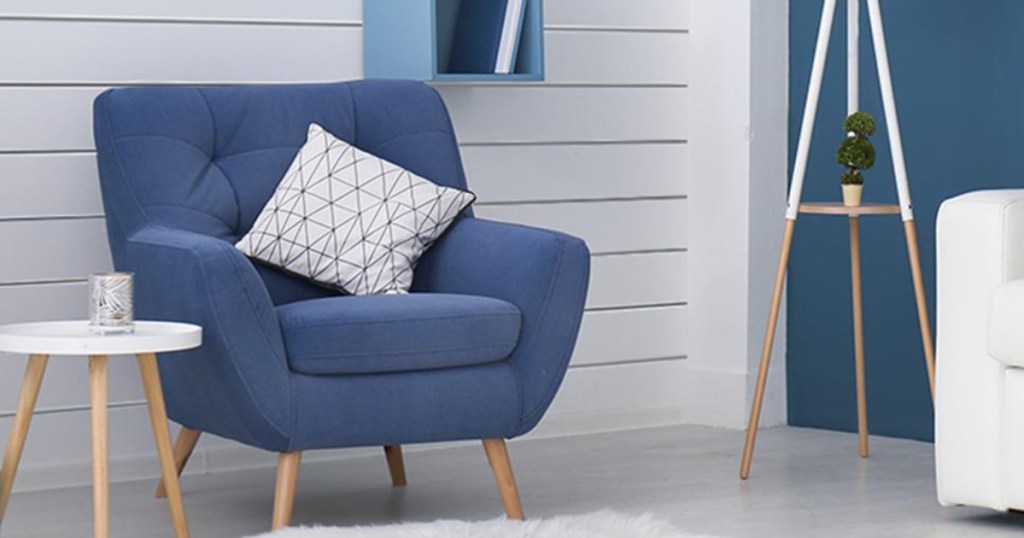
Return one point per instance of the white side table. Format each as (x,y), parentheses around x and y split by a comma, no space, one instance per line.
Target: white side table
(40,340)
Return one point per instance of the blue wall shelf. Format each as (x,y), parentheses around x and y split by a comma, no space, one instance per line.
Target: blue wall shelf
(413,39)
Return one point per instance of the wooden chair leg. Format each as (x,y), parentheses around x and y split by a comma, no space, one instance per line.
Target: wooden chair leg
(284,495)
(497,456)
(183,447)
(19,428)
(396,464)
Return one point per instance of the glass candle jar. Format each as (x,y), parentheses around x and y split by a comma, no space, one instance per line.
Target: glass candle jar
(110,303)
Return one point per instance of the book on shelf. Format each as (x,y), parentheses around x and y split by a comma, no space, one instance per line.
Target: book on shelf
(487,34)
(511,33)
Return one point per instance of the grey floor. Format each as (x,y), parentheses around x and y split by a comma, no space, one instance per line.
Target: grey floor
(805,483)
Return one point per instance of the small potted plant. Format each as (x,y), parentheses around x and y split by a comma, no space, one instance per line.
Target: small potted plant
(856,153)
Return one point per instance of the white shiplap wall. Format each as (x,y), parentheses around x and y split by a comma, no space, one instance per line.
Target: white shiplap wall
(599,150)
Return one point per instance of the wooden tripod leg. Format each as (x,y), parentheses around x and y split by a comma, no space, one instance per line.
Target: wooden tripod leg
(497,456)
(858,336)
(183,447)
(922,302)
(396,464)
(19,429)
(766,349)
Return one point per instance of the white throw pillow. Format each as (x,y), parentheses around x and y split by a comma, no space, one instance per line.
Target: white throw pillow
(350,220)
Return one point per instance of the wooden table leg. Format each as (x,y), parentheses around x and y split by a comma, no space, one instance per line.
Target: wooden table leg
(162,437)
(183,448)
(100,485)
(858,336)
(19,428)
(766,349)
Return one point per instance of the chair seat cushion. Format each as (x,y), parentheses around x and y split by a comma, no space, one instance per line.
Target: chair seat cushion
(396,333)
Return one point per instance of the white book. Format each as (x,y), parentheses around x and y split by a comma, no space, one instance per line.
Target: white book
(510,33)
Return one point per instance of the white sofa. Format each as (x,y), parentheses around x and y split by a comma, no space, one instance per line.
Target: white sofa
(979,408)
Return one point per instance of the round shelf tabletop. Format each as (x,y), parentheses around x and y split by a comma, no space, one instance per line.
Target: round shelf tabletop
(837,208)
(75,338)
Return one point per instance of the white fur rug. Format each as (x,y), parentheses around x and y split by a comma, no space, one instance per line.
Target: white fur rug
(603,524)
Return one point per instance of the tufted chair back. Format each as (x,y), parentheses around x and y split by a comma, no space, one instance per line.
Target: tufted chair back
(206,160)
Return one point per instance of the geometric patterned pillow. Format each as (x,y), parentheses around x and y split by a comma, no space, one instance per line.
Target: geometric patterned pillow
(350,220)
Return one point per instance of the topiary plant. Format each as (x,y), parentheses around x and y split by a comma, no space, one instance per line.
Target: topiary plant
(857,152)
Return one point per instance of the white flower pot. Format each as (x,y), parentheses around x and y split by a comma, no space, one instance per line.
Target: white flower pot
(852,194)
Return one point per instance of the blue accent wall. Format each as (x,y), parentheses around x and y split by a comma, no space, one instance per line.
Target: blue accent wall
(958,70)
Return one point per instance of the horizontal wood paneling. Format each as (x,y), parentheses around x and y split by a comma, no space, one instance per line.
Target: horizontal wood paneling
(66,51)
(643,333)
(620,387)
(668,14)
(532,114)
(615,336)
(52,185)
(480,114)
(580,172)
(46,118)
(44,185)
(69,249)
(638,279)
(63,439)
(53,249)
(616,226)
(637,57)
(243,10)
(72,248)
(105,52)
(67,381)
(44,302)
(600,144)
(629,335)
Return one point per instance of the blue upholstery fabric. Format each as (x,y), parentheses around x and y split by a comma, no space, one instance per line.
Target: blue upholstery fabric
(374,334)
(185,171)
(545,274)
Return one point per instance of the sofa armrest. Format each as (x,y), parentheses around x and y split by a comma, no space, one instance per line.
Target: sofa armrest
(544,273)
(237,384)
(1006,314)
(980,246)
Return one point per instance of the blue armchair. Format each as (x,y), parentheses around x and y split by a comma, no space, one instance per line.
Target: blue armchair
(477,351)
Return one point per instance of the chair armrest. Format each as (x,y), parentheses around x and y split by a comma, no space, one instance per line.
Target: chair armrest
(237,384)
(980,246)
(544,273)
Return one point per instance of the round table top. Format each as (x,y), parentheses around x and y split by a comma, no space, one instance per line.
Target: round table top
(75,338)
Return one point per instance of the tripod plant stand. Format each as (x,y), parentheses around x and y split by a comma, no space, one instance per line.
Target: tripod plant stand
(795,207)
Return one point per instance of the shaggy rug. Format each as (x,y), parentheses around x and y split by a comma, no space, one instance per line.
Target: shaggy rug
(603,524)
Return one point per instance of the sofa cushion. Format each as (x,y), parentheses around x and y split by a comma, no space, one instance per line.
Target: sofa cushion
(396,333)
(1006,318)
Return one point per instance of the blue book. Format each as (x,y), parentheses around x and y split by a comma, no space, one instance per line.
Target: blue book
(478,32)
